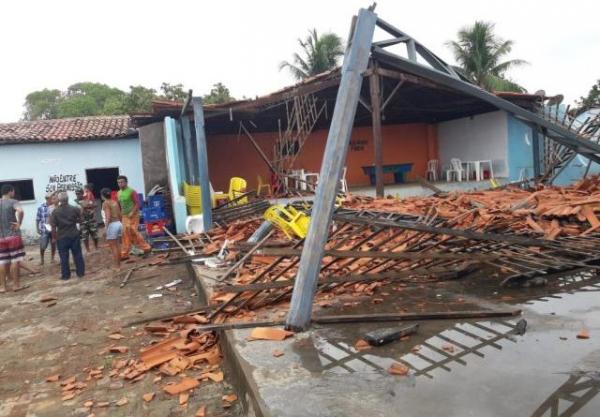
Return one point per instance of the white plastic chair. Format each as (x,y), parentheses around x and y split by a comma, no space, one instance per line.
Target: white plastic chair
(432,170)
(456,168)
(312,179)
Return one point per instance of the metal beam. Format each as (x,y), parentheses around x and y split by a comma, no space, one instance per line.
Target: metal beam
(565,136)
(202,150)
(356,59)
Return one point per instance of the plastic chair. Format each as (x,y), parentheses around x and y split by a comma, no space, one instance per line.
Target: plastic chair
(217,196)
(292,222)
(237,187)
(311,184)
(262,184)
(432,170)
(456,168)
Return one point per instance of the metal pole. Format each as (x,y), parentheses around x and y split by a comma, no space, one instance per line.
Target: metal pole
(202,163)
(356,60)
(374,80)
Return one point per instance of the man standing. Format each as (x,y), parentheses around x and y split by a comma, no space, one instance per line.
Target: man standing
(89,226)
(43,227)
(11,244)
(64,220)
(130,210)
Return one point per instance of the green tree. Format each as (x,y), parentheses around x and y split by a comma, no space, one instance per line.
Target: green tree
(592,99)
(42,104)
(173,92)
(218,94)
(480,53)
(91,99)
(96,99)
(318,54)
(139,99)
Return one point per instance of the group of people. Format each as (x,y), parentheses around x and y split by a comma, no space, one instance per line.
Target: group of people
(63,226)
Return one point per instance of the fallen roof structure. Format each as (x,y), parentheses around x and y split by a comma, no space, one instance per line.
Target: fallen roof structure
(361,49)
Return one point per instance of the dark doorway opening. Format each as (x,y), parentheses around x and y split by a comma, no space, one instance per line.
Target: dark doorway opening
(102,178)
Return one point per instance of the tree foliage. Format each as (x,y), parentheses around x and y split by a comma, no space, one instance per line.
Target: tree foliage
(173,92)
(591,100)
(318,54)
(218,94)
(42,104)
(96,99)
(480,53)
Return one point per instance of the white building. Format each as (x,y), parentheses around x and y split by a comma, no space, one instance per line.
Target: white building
(64,154)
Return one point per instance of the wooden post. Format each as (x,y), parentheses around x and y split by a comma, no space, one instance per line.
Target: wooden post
(535,145)
(374,80)
(202,163)
(188,151)
(356,59)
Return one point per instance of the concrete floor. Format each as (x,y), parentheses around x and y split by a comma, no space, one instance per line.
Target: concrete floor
(37,341)
(413,189)
(488,370)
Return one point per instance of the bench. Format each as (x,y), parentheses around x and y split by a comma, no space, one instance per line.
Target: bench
(397,169)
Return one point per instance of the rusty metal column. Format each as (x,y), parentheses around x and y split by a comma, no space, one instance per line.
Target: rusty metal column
(356,60)
(374,80)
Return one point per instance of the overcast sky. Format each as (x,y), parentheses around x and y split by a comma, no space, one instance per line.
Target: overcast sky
(52,44)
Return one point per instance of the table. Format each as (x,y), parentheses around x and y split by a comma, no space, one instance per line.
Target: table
(397,169)
(477,166)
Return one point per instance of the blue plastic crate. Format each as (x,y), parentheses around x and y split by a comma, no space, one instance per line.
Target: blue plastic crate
(153,213)
(156,201)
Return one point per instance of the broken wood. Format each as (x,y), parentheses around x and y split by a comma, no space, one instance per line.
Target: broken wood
(370,318)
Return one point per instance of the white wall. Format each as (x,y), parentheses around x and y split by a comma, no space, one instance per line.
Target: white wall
(476,138)
(42,161)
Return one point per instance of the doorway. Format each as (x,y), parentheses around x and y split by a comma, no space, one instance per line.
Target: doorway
(101,178)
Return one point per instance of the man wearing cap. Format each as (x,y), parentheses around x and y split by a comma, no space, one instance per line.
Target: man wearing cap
(42,221)
(64,220)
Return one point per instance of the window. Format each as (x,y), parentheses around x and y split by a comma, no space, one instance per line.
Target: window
(23,189)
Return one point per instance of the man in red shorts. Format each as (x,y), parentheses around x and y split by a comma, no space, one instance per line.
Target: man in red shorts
(11,245)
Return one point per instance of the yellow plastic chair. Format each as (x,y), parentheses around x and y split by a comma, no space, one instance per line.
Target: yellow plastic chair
(262,184)
(291,221)
(237,187)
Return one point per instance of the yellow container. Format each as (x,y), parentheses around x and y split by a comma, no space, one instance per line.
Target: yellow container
(193,200)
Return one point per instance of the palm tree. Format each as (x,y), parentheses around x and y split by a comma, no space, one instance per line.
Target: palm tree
(320,53)
(480,52)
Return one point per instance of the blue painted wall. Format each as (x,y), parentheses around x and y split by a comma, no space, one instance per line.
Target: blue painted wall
(46,162)
(520,149)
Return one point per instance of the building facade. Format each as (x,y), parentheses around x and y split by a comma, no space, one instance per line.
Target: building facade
(64,154)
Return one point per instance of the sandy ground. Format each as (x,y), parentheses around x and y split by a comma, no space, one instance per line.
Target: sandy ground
(40,339)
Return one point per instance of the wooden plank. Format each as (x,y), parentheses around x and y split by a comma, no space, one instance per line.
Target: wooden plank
(374,81)
(275,251)
(202,163)
(355,63)
(441,274)
(370,318)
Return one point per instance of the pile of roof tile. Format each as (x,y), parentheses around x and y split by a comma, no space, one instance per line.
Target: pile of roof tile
(546,210)
(183,352)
